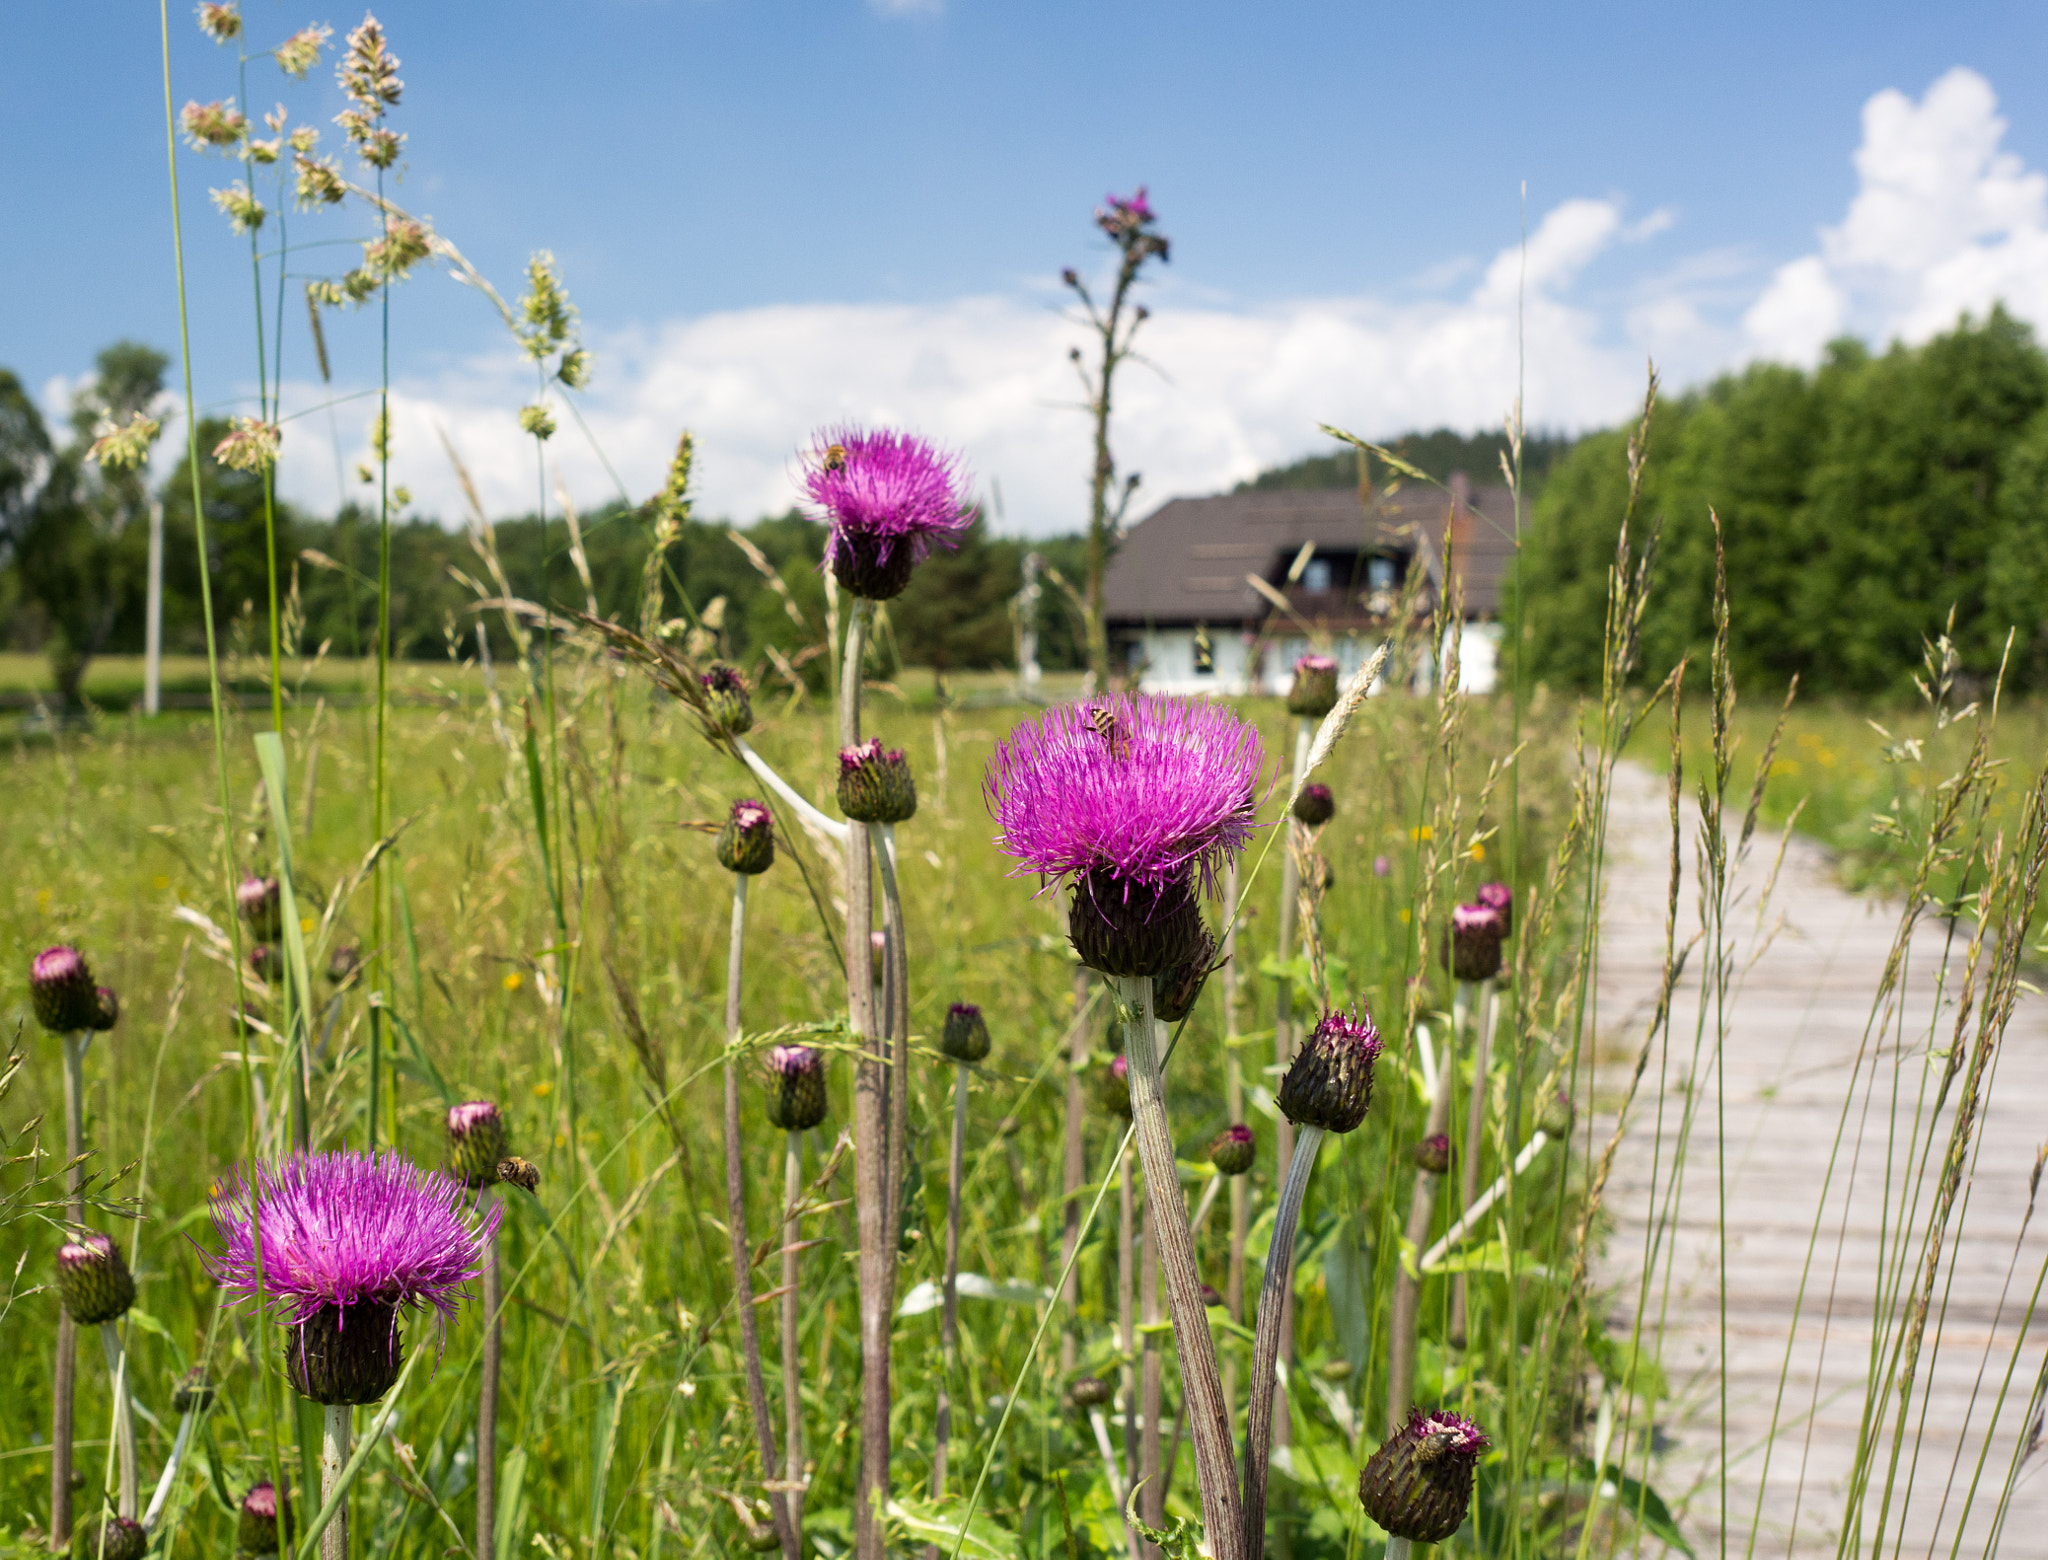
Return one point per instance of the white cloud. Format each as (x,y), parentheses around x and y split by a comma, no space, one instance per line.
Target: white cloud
(1222,392)
(1942,221)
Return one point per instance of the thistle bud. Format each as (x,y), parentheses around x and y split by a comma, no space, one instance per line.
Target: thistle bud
(1418,1485)
(1329,1083)
(1233,1150)
(109,1538)
(875,786)
(1555,1122)
(1175,991)
(728,707)
(345,1355)
(1315,806)
(260,902)
(1433,1153)
(93,1280)
(194,1393)
(1500,899)
(1314,691)
(61,991)
(256,1531)
(746,844)
(1071,277)
(1473,951)
(1113,1087)
(343,963)
(796,1088)
(1211,1295)
(106,1009)
(965,1037)
(1123,927)
(476,1142)
(1090,1392)
(265,961)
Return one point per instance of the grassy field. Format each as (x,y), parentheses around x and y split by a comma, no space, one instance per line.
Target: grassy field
(623,1425)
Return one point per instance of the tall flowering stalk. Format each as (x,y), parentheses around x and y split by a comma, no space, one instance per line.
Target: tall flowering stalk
(888,498)
(796,1104)
(746,848)
(1136,802)
(965,1042)
(97,1289)
(349,1242)
(1487,922)
(477,1145)
(1327,1089)
(67,1004)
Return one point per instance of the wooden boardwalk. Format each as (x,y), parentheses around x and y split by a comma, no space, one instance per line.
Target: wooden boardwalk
(1808,965)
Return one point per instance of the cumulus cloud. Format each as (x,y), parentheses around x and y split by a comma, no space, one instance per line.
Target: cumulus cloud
(1220,392)
(1943,220)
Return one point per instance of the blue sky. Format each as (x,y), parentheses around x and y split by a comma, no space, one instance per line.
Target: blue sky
(775,214)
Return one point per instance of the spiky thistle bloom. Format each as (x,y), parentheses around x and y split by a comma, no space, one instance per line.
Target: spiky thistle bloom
(1433,1153)
(93,1280)
(1134,800)
(109,1538)
(256,1529)
(1418,1485)
(728,707)
(1329,1083)
(875,785)
(61,990)
(1233,1149)
(476,1142)
(260,902)
(796,1087)
(1473,952)
(747,842)
(1315,806)
(1128,220)
(1499,898)
(349,1240)
(1314,690)
(889,498)
(965,1037)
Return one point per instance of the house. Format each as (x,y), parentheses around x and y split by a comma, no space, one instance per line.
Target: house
(1184,615)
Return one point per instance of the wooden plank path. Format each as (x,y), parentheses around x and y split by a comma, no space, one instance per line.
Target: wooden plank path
(1808,967)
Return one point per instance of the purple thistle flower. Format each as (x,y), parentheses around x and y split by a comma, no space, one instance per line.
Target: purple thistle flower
(1418,1485)
(1474,949)
(348,1229)
(1501,899)
(727,704)
(93,1280)
(747,842)
(1233,1150)
(889,498)
(62,992)
(796,1087)
(1329,1082)
(477,1141)
(1315,806)
(1434,1153)
(260,902)
(1313,692)
(1143,789)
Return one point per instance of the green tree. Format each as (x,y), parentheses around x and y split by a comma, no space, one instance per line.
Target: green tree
(2016,584)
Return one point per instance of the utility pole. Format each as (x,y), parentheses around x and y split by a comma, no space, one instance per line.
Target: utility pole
(153,614)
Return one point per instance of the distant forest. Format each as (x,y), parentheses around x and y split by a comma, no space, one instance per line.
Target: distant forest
(1438,453)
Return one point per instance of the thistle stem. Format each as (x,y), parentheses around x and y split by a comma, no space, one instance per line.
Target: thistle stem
(1283,1016)
(1258,1433)
(1206,1202)
(334,1439)
(1127,1317)
(1233,1093)
(1152,1381)
(1074,1163)
(1201,1387)
(792,1364)
(1115,1471)
(894,1022)
(164,1484)
(124,1419)
(949,1314)
(64,1380)
(487,1393)
(1475,1140)
(1407,1306)
(736,1222)
(1399,1548)
(870,1141)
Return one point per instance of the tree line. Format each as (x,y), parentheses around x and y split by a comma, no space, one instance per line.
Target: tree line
(1860,503)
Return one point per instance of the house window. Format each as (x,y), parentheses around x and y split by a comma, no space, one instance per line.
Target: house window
(1379,573)
(1317,575)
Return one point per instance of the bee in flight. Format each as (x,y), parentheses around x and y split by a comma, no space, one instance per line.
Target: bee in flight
(835,457)
(1103,722)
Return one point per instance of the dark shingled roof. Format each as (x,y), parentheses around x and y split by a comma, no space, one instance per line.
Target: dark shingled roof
(1186,562)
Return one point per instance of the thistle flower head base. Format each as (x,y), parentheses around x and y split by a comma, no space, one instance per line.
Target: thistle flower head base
(1113,1087)
(345,1355)
(1233,1150)
(1329,1083)
(93,1280)
(796,1088)
(728,706)
(110,1538)
(256,1527)
(1315,806)
(965,1037)
(1474,948)
(62,992)
(746,845)
(875,784)
(1313,692)
(476,1142)
(1418,1485)
(1121,927)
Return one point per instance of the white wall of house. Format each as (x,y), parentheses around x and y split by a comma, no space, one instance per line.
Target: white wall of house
(1168,655)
